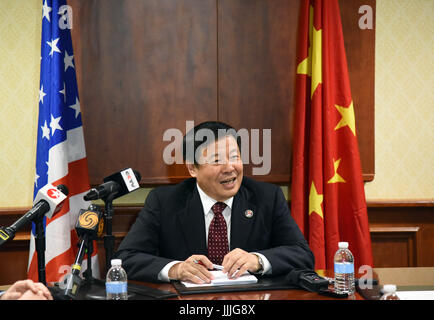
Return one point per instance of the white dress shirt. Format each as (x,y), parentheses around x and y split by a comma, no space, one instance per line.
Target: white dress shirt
(207,203)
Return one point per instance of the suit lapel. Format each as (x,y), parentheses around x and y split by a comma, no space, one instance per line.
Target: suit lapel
(241,226)
(192,222)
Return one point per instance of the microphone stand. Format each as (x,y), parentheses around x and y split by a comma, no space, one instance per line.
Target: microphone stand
(74,282)
(40,248)
(40,244)
(109,239)
(90,288)
(95,287)
(88,273)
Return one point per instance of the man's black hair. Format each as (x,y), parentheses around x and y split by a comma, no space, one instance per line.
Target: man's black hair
(216,127)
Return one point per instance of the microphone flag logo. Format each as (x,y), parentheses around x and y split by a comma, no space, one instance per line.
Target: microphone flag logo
(88,220)
(53,193)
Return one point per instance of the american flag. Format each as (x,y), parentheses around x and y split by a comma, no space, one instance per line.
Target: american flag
(60,155)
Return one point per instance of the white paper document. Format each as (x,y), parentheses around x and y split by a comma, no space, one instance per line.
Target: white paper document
(221,279)
(415,295)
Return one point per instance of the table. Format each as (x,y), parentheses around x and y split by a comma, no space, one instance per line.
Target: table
(405,278)
(254,295)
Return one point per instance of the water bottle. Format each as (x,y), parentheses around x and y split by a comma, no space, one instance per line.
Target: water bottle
(344,269)
(116,282)
(389,292)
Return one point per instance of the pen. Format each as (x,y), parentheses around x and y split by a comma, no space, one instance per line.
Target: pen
(215,266)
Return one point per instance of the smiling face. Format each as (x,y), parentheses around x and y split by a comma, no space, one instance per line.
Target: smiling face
(221,170)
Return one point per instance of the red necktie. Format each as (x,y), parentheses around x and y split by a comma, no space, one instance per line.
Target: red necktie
(218,235)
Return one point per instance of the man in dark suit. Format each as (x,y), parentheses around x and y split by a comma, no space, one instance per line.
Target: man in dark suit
(181,231)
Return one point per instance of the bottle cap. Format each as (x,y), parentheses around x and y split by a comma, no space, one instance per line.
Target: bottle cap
(116,262)
(388,288)
(343,245)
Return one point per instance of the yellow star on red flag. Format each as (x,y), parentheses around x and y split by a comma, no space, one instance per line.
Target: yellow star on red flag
(312,64)
(336,177)
(348,118)
(315,201)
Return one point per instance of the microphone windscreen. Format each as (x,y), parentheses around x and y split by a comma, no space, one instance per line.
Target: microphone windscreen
(138,176)
(62,188)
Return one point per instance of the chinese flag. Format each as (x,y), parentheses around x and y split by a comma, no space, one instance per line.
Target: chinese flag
(328,199)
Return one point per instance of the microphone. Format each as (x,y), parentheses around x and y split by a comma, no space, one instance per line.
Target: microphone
(48,201)
(89,225)
(53,196)
(116,185)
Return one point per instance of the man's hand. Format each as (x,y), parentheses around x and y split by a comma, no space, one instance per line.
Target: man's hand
(27,290)
(242,260)
(192,270)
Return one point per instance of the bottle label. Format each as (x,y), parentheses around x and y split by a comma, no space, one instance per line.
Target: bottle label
(344,268)
(116,287)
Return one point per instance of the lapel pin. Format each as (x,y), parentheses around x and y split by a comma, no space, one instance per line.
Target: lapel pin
(248,213)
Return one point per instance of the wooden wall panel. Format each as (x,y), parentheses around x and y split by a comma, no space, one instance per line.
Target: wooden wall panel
(144,66)
(395,246)
(14,254)
(256,45)
(402,235)
(360,50)
(14,257)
